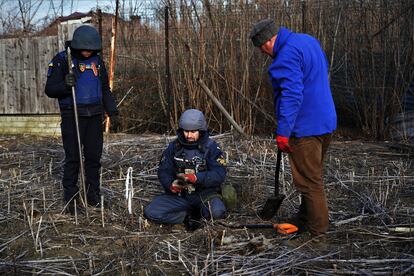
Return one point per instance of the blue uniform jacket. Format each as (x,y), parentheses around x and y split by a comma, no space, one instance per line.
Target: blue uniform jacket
(209,180)
(56,88)
(299,76)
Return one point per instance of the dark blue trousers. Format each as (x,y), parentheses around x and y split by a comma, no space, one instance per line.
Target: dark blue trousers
(91,134)
(173,209)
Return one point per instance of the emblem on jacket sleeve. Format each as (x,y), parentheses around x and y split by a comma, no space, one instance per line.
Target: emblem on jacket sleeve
(50,69)
(221,160)
(94,69)
(82,67)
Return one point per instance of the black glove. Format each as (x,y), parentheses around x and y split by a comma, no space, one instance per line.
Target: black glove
(70,80)
(115,123)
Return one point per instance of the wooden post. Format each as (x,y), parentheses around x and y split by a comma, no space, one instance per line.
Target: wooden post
(303,16)
(167,69)
(221,107)
(112,59)
(99,13)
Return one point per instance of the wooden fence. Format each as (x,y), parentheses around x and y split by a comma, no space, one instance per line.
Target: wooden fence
(24,107)
(23,72)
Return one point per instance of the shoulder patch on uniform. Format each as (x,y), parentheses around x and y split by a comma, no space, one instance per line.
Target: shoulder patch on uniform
(50,69)
(221,160)
(94,69)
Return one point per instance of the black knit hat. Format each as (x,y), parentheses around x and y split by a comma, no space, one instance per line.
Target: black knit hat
(263,31)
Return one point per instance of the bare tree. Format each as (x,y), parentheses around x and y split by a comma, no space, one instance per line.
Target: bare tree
(27,11)
(20,16)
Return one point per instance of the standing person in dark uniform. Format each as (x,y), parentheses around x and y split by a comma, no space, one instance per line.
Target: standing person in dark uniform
(191,172)
(93,95)
(306,116)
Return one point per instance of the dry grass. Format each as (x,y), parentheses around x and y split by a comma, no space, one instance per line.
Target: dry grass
(370,190)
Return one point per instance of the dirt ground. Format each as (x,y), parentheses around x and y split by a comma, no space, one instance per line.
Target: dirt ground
(370,188)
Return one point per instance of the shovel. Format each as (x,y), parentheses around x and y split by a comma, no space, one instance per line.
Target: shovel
(273,203)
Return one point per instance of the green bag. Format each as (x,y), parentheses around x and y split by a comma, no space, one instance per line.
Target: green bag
(229,194)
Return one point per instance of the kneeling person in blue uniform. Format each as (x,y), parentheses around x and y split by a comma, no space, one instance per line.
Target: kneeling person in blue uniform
(191,172)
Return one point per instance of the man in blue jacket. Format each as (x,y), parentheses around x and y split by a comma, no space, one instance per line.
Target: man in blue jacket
(306,115)
(93,98)
(191,172)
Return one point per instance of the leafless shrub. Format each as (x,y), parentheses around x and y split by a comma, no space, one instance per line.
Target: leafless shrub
(367,44)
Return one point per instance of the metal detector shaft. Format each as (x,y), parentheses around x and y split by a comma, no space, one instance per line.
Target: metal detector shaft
(75,110)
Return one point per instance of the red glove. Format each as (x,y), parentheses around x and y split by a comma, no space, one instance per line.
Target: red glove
(188,178)
(283,143)
(176,187)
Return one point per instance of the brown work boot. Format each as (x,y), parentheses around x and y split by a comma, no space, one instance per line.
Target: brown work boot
(307,240)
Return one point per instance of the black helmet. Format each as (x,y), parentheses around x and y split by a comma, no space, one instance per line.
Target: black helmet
(86,37)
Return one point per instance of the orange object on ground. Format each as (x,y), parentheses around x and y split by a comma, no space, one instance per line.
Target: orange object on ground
(281,228)
(285,228)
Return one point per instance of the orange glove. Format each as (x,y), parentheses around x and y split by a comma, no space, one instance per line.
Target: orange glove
(176,187)
(283,143)
(188,178)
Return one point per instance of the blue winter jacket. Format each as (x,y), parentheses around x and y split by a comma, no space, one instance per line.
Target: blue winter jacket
(299,76)
(208,181)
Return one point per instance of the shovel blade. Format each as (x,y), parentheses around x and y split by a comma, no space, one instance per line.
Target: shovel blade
(271,207)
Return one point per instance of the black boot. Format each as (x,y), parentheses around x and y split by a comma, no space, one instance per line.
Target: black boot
(193,221)
(95,203)
(70,208)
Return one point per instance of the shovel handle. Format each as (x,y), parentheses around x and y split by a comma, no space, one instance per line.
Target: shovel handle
(278,160)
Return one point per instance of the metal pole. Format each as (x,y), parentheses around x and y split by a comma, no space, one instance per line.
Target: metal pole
(167,70)
(75,109)
(99,12)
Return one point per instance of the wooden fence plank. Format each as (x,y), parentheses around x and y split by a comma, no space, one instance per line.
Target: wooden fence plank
(32,124)
(2,78)
(35,84)
(10,76)
(48,48)
(26,99)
